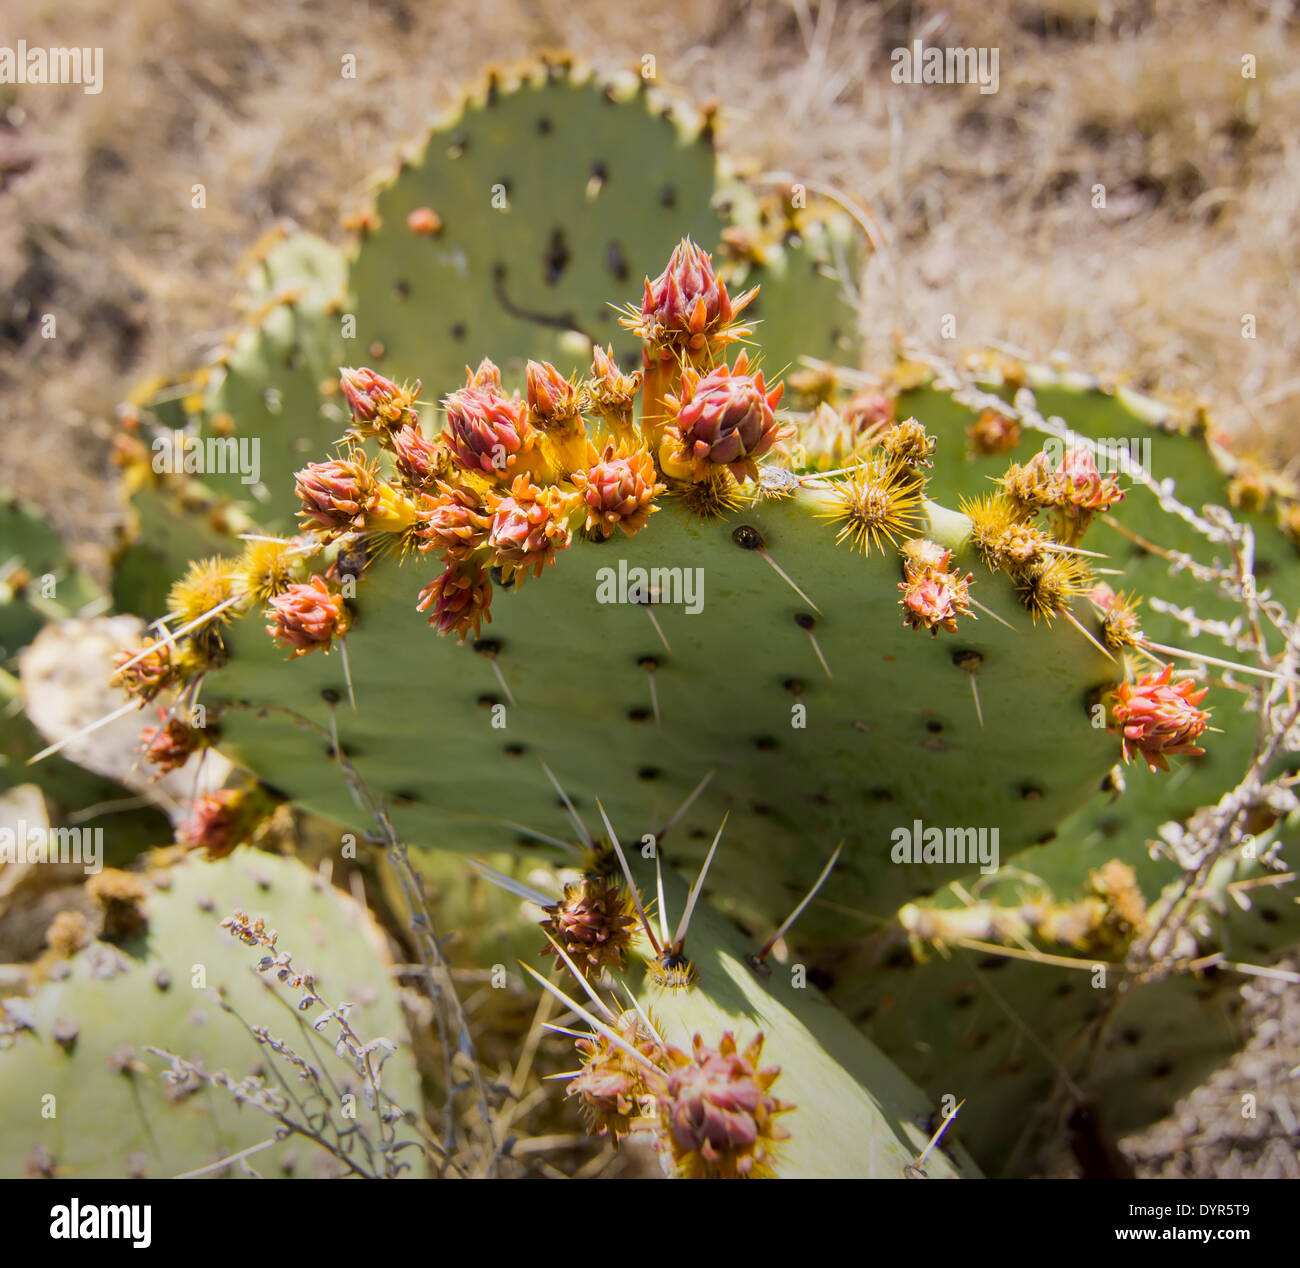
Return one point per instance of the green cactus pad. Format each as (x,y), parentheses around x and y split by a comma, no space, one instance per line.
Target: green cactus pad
(553,192)
(38,581)
(585,707)
(76,1037)
(855,1114)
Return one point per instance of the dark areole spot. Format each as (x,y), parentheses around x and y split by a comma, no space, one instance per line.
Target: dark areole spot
(556,258)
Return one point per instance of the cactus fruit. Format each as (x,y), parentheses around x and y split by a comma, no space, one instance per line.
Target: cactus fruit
(83,1092)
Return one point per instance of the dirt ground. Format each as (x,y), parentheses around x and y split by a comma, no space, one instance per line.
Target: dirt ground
(986,202)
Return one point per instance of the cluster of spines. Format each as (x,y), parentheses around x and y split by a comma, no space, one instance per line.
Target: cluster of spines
(710,1112)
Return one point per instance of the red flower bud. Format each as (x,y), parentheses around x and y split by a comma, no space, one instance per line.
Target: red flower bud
(725,419)
(308,617)
(460,598)
(1159,718)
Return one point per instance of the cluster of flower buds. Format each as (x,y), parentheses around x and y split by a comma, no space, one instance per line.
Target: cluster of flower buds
(1074,489)
(1082,493)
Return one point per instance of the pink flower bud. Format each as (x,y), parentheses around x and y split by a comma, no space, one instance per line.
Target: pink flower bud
(528,526)
(618,488)
(336,495)
(308,617)
(726,419)
(552,398)
(375,399)
(687,305)
(487,430)
(718,1113)
(1159,718)
(454,521)
(460,598)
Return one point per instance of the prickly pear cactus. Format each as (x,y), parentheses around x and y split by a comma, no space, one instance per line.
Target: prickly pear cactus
(907,621)
(175,970)
(548,516)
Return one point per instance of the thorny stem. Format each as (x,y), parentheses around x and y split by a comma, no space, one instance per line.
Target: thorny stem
(259,1097)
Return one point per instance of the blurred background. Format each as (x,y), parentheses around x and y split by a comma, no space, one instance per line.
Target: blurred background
(984,207)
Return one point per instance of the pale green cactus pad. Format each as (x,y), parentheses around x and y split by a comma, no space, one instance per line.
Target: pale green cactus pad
(84,1098)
